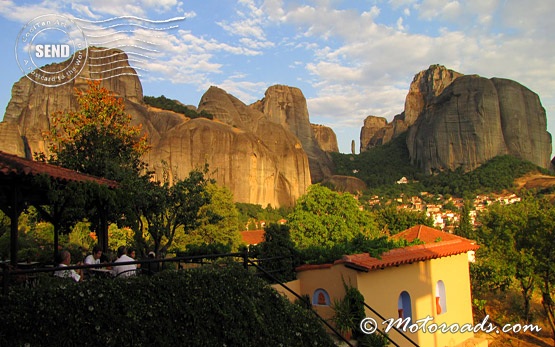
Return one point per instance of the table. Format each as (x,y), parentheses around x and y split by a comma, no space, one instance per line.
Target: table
(28,265)
(100,272)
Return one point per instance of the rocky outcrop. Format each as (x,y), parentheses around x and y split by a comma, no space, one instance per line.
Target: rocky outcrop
(376,131)
(287,106)
(372,124)
(348,184)
(325,137)
(425,86)
(259,160)
(475,119)
(289,161)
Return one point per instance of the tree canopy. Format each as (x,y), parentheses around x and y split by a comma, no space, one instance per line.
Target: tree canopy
(323,217)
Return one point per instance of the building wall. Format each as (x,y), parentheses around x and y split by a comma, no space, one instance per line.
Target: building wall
(331,280)
(381,290)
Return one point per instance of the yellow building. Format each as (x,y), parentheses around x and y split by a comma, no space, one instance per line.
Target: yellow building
(428,283)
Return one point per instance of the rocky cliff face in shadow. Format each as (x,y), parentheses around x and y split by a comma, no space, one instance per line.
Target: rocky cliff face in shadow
(425,86)
(259,160)
(475,119)
(455,121)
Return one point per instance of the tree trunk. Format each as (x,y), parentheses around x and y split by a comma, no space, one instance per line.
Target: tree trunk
(548,306)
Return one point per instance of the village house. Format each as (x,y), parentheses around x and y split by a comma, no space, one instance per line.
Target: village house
(425,280)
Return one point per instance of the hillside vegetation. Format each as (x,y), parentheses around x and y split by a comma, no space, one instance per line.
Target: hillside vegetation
(382,166)
(172,105)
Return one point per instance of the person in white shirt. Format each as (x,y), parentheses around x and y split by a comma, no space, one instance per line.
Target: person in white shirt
(66,260)
(94,258)
(124,270)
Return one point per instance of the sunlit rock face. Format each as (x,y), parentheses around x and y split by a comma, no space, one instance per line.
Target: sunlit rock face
(259,160)
(287,106)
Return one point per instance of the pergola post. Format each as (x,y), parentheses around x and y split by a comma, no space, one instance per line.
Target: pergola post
(14,224)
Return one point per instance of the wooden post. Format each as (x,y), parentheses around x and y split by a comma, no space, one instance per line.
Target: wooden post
(14,225)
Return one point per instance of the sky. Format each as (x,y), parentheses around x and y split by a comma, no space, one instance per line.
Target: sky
(351,59)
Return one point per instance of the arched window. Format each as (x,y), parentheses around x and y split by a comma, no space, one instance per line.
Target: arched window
(320,297)
(441,302)
(404,306)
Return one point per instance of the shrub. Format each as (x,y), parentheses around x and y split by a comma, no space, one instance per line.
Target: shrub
(209,306)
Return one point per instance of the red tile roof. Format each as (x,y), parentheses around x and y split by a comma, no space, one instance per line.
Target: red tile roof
(12,165)
(437,244)
(425,234)
(408,255)
(252,237)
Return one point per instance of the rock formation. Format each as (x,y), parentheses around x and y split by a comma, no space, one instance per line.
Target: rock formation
(348,184)
(374,135)
(425,85)
(325,137)
(455,121)
(287,106)
(261,161)
(475,119)
(372,125)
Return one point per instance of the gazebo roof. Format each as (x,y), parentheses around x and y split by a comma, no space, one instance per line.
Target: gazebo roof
(14,166)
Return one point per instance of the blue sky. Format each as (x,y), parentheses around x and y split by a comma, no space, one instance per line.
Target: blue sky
(351,59)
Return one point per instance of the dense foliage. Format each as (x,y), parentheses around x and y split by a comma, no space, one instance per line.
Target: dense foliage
(277,253)
(210,306)
(217,221)
(323,217)
(382,166)
(325,254)
(517,248)
(379,166)
(392,220)
(250,215)
(172,105)
(494,176)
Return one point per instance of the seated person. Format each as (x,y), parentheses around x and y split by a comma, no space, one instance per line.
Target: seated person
(94,258)
(65,260)
(124,270)
(133,255)
(151,267)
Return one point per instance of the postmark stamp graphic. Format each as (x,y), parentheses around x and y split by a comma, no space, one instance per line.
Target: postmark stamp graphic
(51,50)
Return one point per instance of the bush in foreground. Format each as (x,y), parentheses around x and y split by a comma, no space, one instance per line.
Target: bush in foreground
(207,306)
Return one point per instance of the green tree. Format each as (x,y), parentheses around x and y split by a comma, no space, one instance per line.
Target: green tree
(217,220)
(279,251)
(171,208)
(465,228)
(540,245)
(323,217)
(97,139)
(508,234)
(394,220)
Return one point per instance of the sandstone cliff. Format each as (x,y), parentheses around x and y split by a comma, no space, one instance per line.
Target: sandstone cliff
(348,184)
(262,162)
(325,137)
(376,131)
(287,106)
(455,121)
(475,119)
(425,86)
